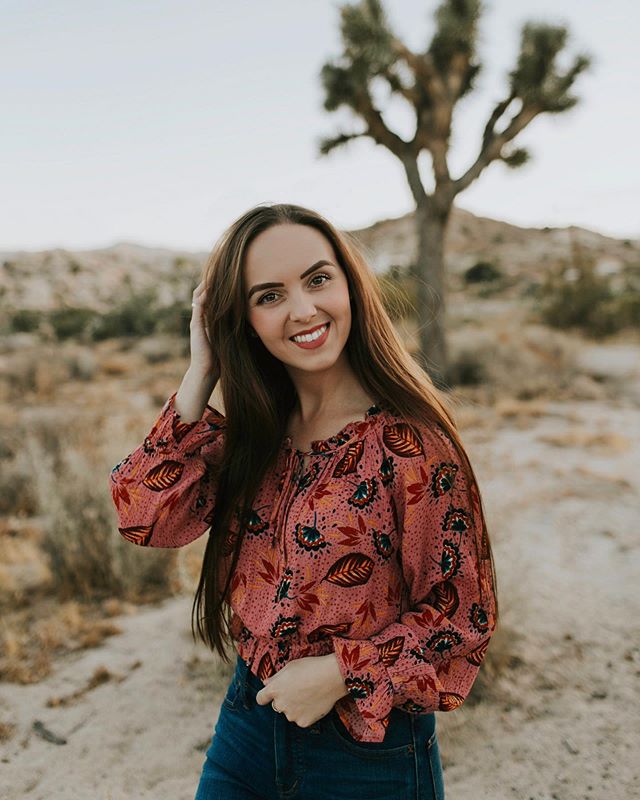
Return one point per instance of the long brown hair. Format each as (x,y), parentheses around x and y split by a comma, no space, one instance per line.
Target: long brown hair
(258,396)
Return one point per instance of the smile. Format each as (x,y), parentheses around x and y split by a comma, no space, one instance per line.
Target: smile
(312,340)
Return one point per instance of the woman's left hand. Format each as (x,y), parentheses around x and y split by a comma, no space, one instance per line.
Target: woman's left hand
(305,689)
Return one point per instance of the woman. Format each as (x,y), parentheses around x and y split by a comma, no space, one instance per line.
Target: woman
(348,559)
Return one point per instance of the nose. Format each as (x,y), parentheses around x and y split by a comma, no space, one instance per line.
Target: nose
(302,309)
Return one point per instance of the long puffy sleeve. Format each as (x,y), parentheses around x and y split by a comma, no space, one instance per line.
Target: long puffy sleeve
(427,660)
(164,491)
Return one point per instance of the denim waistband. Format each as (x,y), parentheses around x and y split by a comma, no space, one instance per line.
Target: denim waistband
(249,685)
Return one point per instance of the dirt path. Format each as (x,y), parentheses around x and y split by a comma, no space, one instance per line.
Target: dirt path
(562,495)
(564,724)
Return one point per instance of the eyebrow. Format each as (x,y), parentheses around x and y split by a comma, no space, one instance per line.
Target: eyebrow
(310,269)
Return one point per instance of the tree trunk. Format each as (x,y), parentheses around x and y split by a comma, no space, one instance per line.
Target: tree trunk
(431,220)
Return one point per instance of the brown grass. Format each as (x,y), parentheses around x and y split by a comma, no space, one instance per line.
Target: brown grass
(86,556)
(7,731)
(582,438)
(101,675)
(31,637)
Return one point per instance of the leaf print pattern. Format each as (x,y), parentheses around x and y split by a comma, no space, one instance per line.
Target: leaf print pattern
(164,476)
(449,701)
(138,534)
(444,598)
(402,440)
(351,570)
(372,552)
(443,634)
(348,464)
(324,631)
(173,456)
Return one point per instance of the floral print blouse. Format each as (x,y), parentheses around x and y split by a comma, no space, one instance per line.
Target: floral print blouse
(366,546)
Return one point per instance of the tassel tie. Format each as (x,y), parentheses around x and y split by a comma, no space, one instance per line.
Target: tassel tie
(289,480)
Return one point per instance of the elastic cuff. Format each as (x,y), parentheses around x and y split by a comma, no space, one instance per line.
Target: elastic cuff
(366,679)
(170,432)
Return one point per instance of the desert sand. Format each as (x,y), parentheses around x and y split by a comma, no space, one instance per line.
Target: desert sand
(554,716)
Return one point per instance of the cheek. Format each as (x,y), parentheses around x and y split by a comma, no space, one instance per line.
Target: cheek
(269,327)
(345,309)
(338,303)
(259,322)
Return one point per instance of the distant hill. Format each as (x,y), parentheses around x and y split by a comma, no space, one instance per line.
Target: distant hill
(97,279)
(516,250)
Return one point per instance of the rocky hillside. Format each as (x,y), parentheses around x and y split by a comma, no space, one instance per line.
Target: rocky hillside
(97,279)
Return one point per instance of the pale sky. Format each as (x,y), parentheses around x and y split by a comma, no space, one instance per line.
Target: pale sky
(160,121)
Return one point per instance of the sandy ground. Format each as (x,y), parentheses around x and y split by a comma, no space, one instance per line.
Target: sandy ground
(562,490)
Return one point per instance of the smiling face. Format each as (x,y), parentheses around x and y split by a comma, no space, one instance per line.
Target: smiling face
(301,288)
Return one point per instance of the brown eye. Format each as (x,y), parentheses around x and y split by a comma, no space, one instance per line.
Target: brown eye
(320,275)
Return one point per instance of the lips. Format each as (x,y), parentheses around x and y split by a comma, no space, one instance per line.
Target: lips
(311,330)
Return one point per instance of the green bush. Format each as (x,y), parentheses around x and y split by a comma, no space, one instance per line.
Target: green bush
(137,316)
(579,298)
(68,323)
(174,319)
(25,320)
(466,369)
(628,308)
(482,272)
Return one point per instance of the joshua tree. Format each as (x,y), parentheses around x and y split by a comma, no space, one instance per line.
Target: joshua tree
(433,82)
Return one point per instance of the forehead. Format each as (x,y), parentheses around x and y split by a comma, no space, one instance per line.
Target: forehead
(284,249)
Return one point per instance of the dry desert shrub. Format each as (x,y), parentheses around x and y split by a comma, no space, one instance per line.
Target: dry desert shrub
(16,490)
(584,438)
(88,559)
(82,363)
(116,366)
(7,731)
(31,637)
(33,373)
(526,363)
(101,675)
(158,349)
(24,570)
(511,408)
(578,297)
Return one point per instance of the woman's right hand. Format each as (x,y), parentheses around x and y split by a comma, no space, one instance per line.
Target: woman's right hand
(204,358)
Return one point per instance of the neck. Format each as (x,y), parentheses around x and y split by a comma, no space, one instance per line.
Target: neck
(329,393)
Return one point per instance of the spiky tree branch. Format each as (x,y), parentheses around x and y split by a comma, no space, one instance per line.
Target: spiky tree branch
(432,82)
(538,85)
(439,77)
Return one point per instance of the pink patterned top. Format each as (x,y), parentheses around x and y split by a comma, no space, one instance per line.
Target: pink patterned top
(373,553)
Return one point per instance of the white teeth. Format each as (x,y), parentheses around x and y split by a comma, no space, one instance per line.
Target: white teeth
(310,337)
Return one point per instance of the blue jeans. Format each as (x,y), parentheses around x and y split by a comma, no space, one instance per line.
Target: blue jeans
(257,754)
